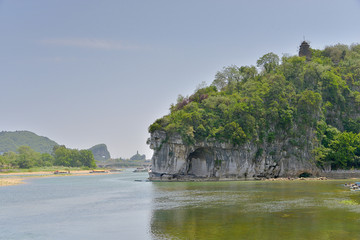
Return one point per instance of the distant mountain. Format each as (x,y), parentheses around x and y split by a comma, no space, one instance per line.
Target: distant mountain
(100,152)
(11,141)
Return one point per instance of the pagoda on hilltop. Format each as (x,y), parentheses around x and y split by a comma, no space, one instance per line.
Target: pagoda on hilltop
(305,50)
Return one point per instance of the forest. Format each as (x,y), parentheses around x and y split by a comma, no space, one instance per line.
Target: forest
(25,158)
(282,99)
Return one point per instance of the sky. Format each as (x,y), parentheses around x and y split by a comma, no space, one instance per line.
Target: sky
(84,72)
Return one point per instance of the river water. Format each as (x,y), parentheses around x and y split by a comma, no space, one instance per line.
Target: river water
(118,207)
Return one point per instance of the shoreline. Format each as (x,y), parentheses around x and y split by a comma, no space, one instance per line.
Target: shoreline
(16,178)
(302,179)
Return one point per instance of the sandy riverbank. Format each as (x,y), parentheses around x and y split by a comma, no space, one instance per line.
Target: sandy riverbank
(10,181)
(14,178)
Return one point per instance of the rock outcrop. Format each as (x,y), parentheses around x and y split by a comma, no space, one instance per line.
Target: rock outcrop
(173,160)
(100,152)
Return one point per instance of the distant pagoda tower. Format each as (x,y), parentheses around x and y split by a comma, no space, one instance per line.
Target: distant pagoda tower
(305,50)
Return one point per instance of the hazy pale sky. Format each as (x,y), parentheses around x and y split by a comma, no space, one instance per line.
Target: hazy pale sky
(83,72)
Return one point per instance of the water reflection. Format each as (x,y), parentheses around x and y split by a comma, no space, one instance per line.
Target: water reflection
(254,210)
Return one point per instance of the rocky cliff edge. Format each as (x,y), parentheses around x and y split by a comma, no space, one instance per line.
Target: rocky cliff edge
(175,161)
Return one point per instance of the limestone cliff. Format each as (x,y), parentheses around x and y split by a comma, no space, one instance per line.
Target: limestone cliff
(174,160)
(100,152)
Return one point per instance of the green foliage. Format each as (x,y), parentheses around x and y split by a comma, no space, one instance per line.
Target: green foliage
(231,78)
(73,158)
(344,151)
(268,62)
(26,158)
(46,160)
(336,53)
(293,70)
(286,101)
(86,158)
(9,160)
(309,106)
(352,125)
(340,149)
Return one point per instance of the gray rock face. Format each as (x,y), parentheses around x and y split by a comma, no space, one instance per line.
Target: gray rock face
(100,152)
(174,160)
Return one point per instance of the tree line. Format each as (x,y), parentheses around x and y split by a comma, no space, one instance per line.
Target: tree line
(25,157)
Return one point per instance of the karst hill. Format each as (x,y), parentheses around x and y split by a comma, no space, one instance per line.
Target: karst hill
(282,117)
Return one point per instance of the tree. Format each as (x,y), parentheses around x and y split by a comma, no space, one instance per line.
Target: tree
(344,150)
(227,77)
(47,160)
(73,158)
(268,62)
(27,157)
(247,72)
(3,162)
(234,133)
(336,53)
(10,158)
(232,77)
(87,158)
(309,106)
(61,156)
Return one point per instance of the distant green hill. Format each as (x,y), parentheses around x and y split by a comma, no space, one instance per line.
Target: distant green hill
(11,141)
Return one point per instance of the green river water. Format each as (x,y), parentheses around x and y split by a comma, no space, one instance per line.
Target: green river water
(118,207)
(256,210)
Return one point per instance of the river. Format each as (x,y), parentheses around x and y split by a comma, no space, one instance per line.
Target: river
(116,206)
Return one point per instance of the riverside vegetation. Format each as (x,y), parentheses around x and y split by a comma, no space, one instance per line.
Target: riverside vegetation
(25,149)
(310,101)
(26,158)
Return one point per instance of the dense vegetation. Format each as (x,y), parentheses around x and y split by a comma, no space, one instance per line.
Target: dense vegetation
(25,157)
(280,99)
(11,141)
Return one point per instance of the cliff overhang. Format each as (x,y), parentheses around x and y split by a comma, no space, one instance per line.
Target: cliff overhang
(173,160)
